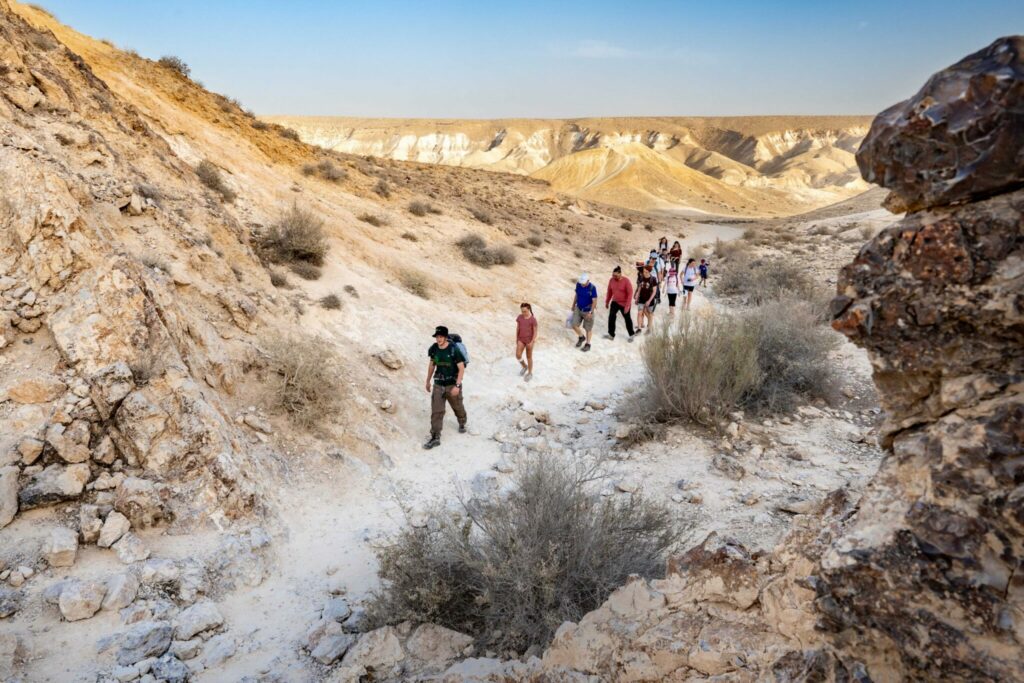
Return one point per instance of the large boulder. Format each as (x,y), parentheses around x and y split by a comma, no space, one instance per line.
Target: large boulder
(144,639)
(958,139)
(81,599)
(54,484)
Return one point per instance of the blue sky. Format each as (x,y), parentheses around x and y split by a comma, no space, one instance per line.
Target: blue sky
(553,59)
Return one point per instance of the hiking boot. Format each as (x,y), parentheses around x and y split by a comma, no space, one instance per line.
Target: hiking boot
(462,430)
(579,342)
(586,347)
(433,442)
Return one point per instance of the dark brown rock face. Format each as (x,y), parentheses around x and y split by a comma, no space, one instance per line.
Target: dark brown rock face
(961,137)
(929,575)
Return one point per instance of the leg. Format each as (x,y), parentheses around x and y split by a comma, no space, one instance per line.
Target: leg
(520,347)
(529,358)
(457,407)
(629,322)
(611,319)
(588,325)
(437,411)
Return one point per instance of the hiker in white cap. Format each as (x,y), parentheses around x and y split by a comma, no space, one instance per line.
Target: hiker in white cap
(583,310)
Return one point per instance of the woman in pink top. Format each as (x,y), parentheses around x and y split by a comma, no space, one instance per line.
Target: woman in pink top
(526,335)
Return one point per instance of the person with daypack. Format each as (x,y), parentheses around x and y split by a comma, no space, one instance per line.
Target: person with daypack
(445,369)
(662,244)
(619,297)
(646,291)
(672,287)
(689,282)
(526,335)
(703,268)
(676,254)
(583,301)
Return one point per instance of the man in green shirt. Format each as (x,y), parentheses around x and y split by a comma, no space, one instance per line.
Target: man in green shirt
(444,370)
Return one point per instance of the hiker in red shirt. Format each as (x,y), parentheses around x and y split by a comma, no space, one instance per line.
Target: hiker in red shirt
(619,297)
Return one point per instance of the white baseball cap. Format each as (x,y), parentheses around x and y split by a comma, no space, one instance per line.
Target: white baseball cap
(584,279)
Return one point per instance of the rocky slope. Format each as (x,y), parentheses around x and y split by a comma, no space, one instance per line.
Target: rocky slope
(739,165)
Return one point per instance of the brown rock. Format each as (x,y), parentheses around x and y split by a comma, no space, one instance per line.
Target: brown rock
(36,390)
(30,449)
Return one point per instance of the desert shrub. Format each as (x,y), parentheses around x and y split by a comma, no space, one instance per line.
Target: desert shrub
(481,215)
(410,236)
(627,226)
(210,176)
(701,369)
(305,377)
(475,250)
(612,246)
(698,252)
(288,134)
(792,354)
(326,170)
(175,64)
(729,249)
(382,188)
(416,283)
(418,208)
(764,279)
(535,240)
(331,301)
(351,291)
(867,232)
(510,569)
(298,235)
(819,230)
(278,279)
(648,227)
(750,234)
(260,125)
(372,219)
(305,270)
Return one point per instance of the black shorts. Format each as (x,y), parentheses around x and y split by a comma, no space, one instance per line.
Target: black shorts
(672,299)
(688,288)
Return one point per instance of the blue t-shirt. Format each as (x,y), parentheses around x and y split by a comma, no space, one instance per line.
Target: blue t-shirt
(703,270)
(585,295)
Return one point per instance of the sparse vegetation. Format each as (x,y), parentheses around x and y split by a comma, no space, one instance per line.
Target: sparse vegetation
(305,270)
(867,232)
(475,250)
(415,282)
(175,64)
(351,291)
(288,134)
(481,215)
(325,169)
(372,219)
(410,236)
(511,569)
(154,262)
(627,226)
(535,240)
(42,40)
(331,302)
(305,377)
(278,279)
(611,246)
(729,249)
(419,208)
(260,125)
(382,188)
(210,176)
(755,281)
(297,236)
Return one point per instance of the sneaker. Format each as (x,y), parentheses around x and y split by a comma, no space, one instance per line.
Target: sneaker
(579,342)
(586,347)
(523,370)
(433,442)
(648,331)
(529,376)
(609,337)
(632,338)
(462,430)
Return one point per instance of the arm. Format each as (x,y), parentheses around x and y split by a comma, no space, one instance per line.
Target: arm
(629,294)
(654,292)
(458,380)
(430,373)
(536,330)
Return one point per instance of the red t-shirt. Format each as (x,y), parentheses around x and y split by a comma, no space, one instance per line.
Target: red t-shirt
(526,328)
(621,292)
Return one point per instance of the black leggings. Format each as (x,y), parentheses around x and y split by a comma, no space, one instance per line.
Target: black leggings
(615,309)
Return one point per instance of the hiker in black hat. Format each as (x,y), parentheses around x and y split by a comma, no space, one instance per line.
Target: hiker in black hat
(445,369)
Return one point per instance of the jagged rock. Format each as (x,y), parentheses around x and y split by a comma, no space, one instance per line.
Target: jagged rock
(142,501)
(66,442)
(186,649)
(379,650)
(105,451)
(318,631)
(260,424)
(959,138)
(8,494)
(110,384)
(89,523)
(196,619)
(115,526)
(62,547)
(218,650)
(81,599)
(130,548)
(337,609)
(10,602)
(144,639)
(728,466)
(30,449)
(330,647)
(54,484)
(436,646)
(719,569)
(36,390)
(160,571)
(390,360)
(122,590)
(357,623)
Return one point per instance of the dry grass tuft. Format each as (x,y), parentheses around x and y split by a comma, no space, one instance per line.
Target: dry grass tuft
(415,282)
(481,215)
(410,236)
(306,270)
(297,236)
(331,302)
(210,176)
(475,250)
(627,226)
(325,169)
(305,377)
(420,208)
(612,246)
(175,64)
(372,219)
(382,188)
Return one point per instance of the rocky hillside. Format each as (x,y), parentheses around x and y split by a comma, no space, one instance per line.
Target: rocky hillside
(740,165)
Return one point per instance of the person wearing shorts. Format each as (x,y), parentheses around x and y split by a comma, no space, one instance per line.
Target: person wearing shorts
(646,291)
(689,282)
(672,288)
(703,268)
(583,302)
(526,335)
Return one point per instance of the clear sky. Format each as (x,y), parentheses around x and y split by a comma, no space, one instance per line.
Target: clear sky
(408,58)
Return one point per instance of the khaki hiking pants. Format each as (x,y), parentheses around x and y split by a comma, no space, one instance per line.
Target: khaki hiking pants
(437,400)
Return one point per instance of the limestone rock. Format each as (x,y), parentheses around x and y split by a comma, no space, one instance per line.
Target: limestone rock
(10,602)
(959,138)
(196,619)
(436,646)
(81,599)
(8,494)
(331,647)
(379,649)
(218,650)
(68,444)
(115,526)
(110,384)
(122,590)
(390,360)
(62,547)
(186,649)
(337,609)
(89,523)
(144,639)
(160,571)
(30,449)
(41,389)
(130,548)
(141,501)
(719,569)
(170,669)
(54,484)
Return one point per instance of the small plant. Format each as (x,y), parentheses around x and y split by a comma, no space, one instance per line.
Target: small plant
(210,176)
(298,235)
(416,283)
(730,248)
(418,208)
(175,64)
(648,227)
(867,232)
(535,240)
(288,134)
(475,250)
(611,246)
(351,291)
(278,279)
(627,226)
(326,170)
(155,263)
(331,302)
(260,125)
(481,215)
(410,236)
(305,270)
(305,377)
(372,219)
(382,188)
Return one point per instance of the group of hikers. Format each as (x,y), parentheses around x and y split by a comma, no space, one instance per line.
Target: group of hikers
(662,271)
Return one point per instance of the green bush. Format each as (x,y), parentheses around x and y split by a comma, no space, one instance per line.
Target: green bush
(511,569)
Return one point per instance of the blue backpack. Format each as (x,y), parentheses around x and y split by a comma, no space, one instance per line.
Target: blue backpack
(457,340)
